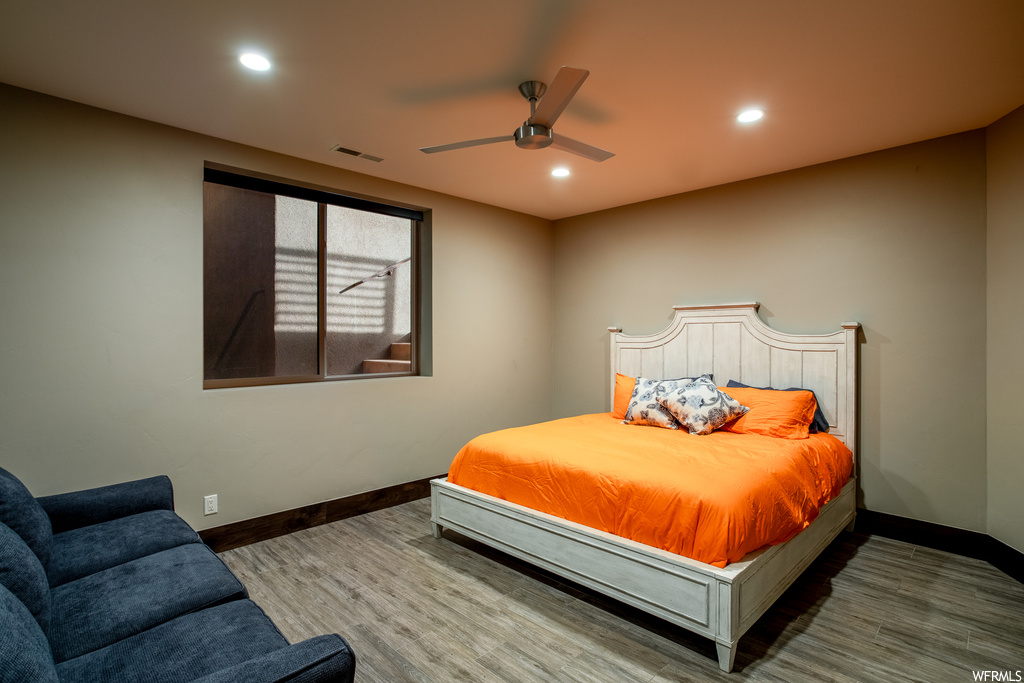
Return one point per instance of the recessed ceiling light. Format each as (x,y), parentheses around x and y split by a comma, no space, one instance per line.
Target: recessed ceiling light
(750,115)
(560,172)
(254,61)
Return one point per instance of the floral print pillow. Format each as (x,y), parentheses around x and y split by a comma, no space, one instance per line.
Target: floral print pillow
(644,408)
(700,406)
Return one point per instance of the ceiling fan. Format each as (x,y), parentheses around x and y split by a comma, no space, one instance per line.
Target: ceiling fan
(546,105)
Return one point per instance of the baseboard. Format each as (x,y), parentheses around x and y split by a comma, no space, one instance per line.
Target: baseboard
(950,539)
(238,534)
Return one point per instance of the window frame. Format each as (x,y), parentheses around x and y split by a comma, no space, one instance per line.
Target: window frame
(420,270)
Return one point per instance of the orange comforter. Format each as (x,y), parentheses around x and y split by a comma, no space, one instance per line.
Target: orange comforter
(712,498)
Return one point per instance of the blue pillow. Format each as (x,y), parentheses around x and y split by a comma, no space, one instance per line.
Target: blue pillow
(24,651)
(22,512)
(819,423)
(23,575)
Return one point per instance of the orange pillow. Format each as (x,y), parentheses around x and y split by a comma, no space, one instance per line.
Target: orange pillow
(623,393)
(782,414)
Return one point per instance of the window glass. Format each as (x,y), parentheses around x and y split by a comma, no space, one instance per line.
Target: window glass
(259,284)
(369,288)
(296,290)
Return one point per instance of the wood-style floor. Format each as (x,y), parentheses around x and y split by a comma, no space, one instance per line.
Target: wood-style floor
(419,609)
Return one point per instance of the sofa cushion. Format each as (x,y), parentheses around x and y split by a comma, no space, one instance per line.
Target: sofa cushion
(23,575)
(101,504)
(24,652)
(22,512)
(90,549)
(186,648)
(111,605)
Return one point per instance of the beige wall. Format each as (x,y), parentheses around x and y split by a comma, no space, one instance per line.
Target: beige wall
(101,328)
(894,240)
(1006,329)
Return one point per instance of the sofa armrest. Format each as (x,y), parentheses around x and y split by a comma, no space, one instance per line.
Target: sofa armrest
(322,659)
(93,506)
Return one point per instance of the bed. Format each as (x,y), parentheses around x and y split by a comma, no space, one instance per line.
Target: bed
(719,602)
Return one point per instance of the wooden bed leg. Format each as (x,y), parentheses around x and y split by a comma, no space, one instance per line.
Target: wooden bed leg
(435,529)
(726,656)
(852,524)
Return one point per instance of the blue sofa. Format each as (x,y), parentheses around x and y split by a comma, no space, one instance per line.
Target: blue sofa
(109,584)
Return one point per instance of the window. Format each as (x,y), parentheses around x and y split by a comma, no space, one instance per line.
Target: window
(304,284)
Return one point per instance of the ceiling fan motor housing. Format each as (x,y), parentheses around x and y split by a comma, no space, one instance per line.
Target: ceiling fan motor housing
(533,136)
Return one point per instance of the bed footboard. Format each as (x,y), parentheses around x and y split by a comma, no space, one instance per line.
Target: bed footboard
(720,604)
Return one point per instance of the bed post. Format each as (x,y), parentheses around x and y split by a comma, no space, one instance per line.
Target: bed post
(612,334)
(435,507)
(726,655)
(728,624)
(850,382)
(851,347)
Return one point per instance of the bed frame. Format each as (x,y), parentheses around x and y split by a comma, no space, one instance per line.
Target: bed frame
(734,343)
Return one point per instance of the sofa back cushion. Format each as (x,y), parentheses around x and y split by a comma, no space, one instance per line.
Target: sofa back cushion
(24,651)
(22,574)
(22,512)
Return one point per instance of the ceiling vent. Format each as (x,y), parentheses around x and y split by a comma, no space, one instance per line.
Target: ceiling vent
(354,153)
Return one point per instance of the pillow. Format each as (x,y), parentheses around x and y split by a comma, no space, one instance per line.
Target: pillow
(644,409)
(700,406)
(26,652)
(782,414)
(623,392)
(22,574)
(818,424)
(22,512)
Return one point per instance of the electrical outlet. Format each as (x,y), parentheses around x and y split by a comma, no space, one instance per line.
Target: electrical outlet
(210,505)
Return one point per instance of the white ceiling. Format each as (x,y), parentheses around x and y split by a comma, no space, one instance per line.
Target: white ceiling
(836,77)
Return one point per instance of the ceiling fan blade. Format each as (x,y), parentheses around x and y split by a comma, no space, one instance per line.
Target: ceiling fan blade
(567,81)
(467,143)
(576,147)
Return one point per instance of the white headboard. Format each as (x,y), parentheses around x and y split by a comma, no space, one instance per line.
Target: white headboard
(732,342)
